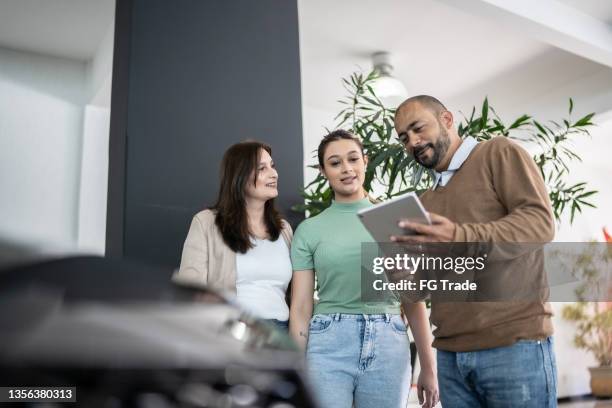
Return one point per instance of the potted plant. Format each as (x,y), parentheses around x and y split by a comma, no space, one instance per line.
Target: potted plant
(594,319)
(391,172)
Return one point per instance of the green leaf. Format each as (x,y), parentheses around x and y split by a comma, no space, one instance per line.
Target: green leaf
(370,100)
(587,194)
(471,119)
(417,175)
(521,121)
(585,121)
(485,113)
(376,116)
(575,208)
(398,169)
(540,127)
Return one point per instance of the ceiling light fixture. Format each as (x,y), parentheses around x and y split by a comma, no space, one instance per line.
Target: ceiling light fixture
(390,90)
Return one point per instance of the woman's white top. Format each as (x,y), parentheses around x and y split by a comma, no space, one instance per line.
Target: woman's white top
(262,276)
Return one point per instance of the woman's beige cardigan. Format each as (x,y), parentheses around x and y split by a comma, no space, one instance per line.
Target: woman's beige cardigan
(207,260)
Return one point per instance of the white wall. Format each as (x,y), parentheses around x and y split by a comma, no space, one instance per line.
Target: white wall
(54,126)
(94,181)
(595,169)
(99,71)
(94,163)
(41,105)
(315,122)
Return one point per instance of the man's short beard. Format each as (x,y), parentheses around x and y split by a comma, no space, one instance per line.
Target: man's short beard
(439,150)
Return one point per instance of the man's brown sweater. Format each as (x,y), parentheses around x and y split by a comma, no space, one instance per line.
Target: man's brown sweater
(497,195)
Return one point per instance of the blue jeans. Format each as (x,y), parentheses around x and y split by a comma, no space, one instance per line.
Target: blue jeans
(360,359)
(521,375)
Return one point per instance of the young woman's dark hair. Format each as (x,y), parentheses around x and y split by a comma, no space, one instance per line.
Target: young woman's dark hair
(239,166)
(338,134)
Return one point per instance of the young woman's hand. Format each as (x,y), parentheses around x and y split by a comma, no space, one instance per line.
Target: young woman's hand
(427,389)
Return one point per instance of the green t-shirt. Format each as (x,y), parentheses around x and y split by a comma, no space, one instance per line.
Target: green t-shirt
(330,243)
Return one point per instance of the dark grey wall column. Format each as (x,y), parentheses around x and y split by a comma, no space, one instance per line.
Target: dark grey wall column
(200,76)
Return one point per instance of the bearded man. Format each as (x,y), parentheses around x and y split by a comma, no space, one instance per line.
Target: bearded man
(490,354)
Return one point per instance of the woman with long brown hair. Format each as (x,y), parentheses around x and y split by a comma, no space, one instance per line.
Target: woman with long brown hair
(234,246)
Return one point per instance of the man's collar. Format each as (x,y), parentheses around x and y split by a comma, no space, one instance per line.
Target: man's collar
(461,154)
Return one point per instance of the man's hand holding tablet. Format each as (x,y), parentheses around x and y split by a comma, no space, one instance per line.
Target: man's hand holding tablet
(382,220)
(441,230)
(404,220)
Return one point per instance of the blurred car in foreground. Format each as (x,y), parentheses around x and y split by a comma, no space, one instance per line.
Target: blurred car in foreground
(125,336)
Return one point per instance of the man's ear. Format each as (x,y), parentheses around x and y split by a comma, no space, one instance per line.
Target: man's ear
(446,117)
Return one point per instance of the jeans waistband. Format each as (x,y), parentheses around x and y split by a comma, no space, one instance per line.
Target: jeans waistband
(344,316)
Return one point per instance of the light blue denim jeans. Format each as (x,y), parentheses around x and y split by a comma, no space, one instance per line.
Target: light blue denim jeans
(360,359)
(517,376)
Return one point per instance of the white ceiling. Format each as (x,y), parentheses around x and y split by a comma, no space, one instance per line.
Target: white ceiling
(600,9)
(63,28)
(438,48)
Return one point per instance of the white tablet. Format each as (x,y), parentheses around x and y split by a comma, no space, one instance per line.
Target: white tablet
(381,219)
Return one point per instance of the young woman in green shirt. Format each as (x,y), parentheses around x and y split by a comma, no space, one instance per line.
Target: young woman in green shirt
(357,353)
